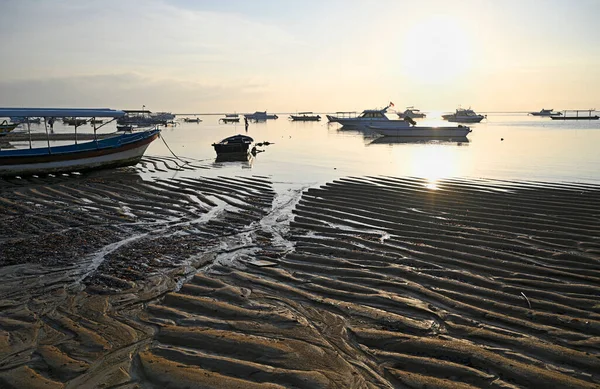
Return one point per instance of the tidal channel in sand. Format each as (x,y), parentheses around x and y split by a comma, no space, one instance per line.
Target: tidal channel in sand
(112,281)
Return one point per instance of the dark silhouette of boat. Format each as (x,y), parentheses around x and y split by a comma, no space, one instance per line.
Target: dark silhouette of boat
(566,116)
(237,144)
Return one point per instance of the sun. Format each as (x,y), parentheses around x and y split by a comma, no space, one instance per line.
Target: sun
(436,50)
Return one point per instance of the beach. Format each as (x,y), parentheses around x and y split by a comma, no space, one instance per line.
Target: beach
(113,281)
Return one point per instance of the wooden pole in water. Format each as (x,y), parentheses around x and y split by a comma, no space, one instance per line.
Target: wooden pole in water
(29,132)
(94,125)
(47,135)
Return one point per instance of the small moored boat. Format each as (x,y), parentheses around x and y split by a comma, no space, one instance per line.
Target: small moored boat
(411,112)
(237,144)
(305,117)
(260,115)
(463,115)
(367,117)
(192,120)
(577,116)
(545,112)
(230,118)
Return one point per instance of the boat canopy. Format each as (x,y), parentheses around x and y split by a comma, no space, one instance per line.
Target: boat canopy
(61,112)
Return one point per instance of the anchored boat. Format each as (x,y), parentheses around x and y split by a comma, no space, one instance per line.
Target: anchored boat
(237,144)
(577,116)
(305,117)
(463,115)
(116,151)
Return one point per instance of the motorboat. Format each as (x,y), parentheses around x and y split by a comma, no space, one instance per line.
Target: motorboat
(237,144)
(6,127)
(230,118)
(115,151)
(546,112)
(305,117)
(260,115)
(367,117)
(412,113)
(463,115)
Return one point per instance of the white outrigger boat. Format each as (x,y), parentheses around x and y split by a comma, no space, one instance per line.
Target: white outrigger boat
(115,151)
(409,130)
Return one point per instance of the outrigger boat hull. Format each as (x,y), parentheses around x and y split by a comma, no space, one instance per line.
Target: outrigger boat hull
(422,132)
(117,151)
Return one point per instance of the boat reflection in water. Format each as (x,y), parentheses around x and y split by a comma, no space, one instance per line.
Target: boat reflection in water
(384,140)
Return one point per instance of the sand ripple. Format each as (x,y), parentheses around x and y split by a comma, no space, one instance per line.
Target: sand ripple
(387,283)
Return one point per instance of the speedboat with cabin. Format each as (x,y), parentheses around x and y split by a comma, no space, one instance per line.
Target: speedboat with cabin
(412,113)
(545,112)
(237,144)
(463,115)
(115,151)
(305,117)
(260,115)
(367,117)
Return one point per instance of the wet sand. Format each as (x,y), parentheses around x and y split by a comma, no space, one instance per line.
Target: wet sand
(114,282)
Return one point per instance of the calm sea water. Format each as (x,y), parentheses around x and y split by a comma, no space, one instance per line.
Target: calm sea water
(532,149)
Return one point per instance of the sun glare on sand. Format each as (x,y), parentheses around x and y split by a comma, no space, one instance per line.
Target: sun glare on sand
(436,50)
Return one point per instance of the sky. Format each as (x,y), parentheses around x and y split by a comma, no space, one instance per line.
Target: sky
(241,56)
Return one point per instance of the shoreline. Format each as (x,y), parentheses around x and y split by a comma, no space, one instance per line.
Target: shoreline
(362,281)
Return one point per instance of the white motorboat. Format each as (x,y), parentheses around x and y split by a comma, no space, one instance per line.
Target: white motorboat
(406,128)
(545,112)
(367,117)
(463,115)
(411,112)
(260,115)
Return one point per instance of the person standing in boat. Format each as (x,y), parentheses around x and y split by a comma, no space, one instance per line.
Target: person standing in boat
(246,123)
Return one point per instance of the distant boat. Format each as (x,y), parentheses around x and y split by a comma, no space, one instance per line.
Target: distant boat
(74,121)
(566,115)
(545,112)
(230,118)
(192,120)
(463,115)
(20,119)
(145,118)
(305,117)
(412,113)
(6,127)
(367,117)
(237,144)
(260,115)
(112,152)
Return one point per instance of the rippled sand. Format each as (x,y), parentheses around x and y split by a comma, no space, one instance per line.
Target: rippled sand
(111,281)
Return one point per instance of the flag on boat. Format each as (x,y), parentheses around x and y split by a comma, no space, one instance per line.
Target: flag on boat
(391,104)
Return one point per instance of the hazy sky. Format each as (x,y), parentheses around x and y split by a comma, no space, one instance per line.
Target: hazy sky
(298,55)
